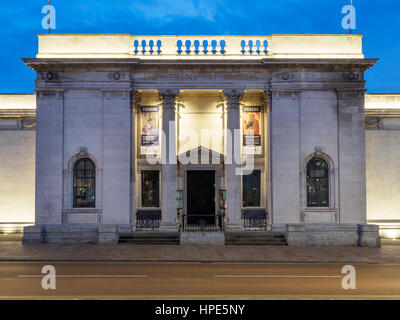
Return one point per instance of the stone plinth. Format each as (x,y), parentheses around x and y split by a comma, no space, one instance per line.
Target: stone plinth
(108,234)
(203,238)
(33,234)
(334,234)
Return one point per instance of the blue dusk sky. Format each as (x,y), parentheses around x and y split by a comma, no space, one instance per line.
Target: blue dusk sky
(377,20)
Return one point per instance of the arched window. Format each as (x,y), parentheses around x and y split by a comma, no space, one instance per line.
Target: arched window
(84,184)
(317,183)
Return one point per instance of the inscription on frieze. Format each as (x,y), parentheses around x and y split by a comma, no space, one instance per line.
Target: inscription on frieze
(200,76)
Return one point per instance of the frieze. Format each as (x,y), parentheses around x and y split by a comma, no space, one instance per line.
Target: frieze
(199,76)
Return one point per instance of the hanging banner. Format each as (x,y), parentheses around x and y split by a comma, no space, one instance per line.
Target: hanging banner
(252,130)
(149,127)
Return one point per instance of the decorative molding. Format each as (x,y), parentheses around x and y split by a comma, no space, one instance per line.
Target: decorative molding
(27,123)
(351,76)
(49,76)
(371,123)
(233,98)
(115,76)
(136,98)
(83,151)
(267,98)
(285,76)
(169,97)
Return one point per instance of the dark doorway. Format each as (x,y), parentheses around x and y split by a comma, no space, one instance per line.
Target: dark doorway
(200,197)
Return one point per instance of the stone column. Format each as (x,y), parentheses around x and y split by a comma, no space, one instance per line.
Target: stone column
(233,178)
(168,167)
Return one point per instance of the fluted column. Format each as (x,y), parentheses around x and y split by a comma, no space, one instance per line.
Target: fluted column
(233,178)
(168,167)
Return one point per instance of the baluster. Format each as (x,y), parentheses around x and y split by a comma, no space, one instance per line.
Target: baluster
(143,46)
(151,46)
(196,44)
(250,47)
(159,46)
(258,44)
(265,46)
(187,46)
(205,47)
(179,46)
(136,46)
(222,44)
(243,45)
(214,46)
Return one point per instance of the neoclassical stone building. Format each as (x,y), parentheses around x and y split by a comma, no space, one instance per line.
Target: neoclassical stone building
(200,139)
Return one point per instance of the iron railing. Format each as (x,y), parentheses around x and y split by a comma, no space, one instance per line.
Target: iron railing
(148,219)
(255,219)
(201,222)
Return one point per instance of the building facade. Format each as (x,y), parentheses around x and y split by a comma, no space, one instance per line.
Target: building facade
(201,138)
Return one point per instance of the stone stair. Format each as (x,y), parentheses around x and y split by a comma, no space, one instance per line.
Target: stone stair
(150,237)
(268,238)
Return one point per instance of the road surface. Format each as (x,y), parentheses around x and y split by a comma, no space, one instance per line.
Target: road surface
(196,280)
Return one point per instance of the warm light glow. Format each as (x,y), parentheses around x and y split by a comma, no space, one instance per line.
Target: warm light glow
(393,234)
(382,101)
(18,101)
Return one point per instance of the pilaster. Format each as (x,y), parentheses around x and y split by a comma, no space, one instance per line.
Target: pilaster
(233,178)
(168,167)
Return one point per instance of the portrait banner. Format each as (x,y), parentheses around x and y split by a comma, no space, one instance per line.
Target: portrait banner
(252,130)
(149,127)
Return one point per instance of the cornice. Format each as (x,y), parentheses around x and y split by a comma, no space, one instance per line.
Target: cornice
(17,113)
(382,113)
(111,64)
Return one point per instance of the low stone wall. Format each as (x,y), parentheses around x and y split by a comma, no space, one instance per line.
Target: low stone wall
(334,234)
(71,234)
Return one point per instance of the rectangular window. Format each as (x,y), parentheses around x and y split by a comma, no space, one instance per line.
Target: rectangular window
(150,189)
(251,189)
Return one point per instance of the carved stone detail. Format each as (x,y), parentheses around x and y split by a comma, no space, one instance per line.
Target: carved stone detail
(136,98)
(115,76)
(83,151)
(285,76)
(351,76)
(267,98)
(168,97)
(26,123)
(233,97)
(50,76)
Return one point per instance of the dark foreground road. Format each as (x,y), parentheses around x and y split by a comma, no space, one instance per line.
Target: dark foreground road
(197,280)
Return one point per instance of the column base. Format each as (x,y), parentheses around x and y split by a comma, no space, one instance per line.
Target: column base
(234,227)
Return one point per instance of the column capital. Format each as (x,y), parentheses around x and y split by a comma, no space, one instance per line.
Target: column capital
(267,98)
(234,97)
(168,97)
(135,100)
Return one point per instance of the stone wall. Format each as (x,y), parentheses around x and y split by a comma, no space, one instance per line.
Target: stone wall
(17,177)
(383,180)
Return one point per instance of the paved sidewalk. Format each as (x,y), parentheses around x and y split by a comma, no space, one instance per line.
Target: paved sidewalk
(15,250)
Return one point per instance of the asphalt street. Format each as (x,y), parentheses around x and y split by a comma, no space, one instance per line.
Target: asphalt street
(195,280)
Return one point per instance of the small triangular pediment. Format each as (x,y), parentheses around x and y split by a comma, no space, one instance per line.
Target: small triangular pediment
(200,155)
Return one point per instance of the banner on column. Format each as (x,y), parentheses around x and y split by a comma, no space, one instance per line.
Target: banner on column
(149,127)
(252,130)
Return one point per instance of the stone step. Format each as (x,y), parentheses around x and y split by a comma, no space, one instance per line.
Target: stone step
(168,238)
(255,238)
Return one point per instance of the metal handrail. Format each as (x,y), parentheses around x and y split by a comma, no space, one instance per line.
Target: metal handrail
(203,222)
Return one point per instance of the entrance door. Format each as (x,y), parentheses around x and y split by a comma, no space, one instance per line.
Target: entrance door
(200,197)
